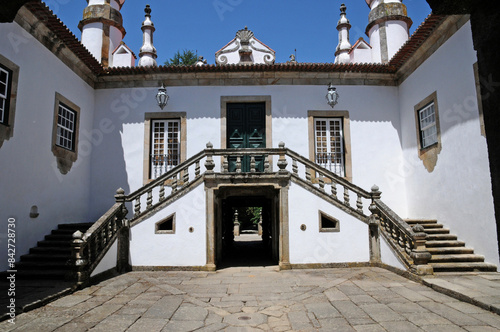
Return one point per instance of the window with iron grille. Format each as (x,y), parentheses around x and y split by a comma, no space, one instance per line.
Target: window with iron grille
(165,147)
(427,123)
(5,87)
(66,123)
(329,144)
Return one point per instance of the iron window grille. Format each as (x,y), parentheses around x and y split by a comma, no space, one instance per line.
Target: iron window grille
(165,150)
(329,144)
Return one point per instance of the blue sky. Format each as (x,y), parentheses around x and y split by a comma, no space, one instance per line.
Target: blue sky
(207,25)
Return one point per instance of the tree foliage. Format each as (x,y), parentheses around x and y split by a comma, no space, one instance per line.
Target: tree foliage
(184,57)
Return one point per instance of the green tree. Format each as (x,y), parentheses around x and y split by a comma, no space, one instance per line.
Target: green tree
(186,58)
(254,214)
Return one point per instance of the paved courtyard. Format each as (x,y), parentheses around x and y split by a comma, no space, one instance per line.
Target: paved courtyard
(257,299)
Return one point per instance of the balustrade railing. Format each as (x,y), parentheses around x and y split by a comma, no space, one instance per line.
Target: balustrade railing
(348,196)
(410,243)
(90,247)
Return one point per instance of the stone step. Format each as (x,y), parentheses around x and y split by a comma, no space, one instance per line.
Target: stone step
(43,257)
(441,237)
(437,231)
(64,231)
(431,226)
(43,265)
(50,250)
(42,274)
(76,226)
(67,237)
(433,244)
(57,244)
(450,250)
(456,258)
(469,267)
(420,221)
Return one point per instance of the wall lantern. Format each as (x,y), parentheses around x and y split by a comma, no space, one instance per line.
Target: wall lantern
(332,97)
(162,97)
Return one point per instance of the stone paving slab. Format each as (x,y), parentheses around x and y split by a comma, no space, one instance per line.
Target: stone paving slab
(479,288)
(264,299)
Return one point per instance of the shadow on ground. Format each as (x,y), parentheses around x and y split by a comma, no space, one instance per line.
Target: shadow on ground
(247,250)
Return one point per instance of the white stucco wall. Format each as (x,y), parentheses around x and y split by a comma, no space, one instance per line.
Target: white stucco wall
(180,249)
(397,35)
(29,173)
(311,246)
(115,37)
(92,39)
(375,43)
(109,260)
(361,55)
(388,256)
(118,152)
(458,191)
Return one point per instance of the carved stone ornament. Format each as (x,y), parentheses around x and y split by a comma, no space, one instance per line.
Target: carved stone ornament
(244,35)
(244,44)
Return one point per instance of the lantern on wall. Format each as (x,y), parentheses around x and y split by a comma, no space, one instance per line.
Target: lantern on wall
(162,97)
(332,97)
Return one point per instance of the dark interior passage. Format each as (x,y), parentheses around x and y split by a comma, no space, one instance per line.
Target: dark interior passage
(247,229)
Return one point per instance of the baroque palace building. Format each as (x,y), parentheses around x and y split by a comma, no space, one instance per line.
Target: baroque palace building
(379,158)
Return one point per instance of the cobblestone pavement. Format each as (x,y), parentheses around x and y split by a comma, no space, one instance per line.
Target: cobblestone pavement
(257,299)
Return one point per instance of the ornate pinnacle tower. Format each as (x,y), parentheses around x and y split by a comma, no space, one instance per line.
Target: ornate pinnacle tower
(344,46)
(102,28)
(148,51)
(388,28)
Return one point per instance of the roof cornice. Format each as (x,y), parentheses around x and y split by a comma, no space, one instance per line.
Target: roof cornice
(43,25)
(71,51)
(429,37)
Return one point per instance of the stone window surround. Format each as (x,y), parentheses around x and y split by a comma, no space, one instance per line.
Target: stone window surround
(311,115)
(322,229)
(65,158)
(160,231)
(429,154)
(147,137)
(7,131)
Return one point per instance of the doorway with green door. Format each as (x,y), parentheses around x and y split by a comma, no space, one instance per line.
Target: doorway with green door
(246,128)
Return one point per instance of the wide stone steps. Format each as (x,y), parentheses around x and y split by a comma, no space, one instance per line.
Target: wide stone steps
(448,253)
(432,244)
(50,258)
(448,258)
(441,237)
(430,231)
(450,250)
(463,267)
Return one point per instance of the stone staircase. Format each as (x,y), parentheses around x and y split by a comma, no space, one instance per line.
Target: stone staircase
(48,260)
(448,253)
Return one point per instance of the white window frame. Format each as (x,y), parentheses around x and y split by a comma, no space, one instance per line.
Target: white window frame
(66,124)
(329,152)
(5,97)
(427,125)
(161,163)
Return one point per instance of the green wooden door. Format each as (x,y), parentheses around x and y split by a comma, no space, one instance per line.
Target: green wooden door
(246,128)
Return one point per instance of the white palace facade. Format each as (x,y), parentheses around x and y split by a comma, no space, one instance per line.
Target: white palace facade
(378,158)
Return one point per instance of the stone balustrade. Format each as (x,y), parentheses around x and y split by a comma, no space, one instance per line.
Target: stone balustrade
(366,206)
(88,249)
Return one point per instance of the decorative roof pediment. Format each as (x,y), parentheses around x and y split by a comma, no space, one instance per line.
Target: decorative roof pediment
(360,44)
(124,49)
(245,49)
